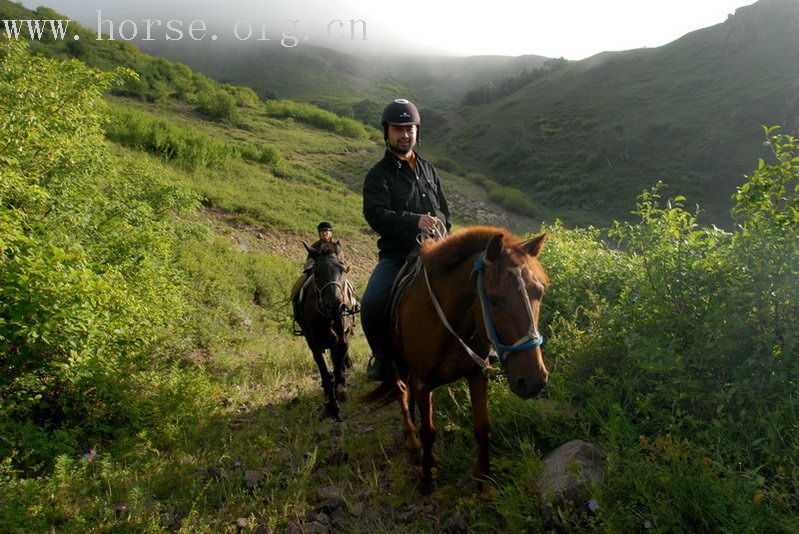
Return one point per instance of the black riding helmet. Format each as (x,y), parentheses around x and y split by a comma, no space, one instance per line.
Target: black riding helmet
(400,112)
(324,226)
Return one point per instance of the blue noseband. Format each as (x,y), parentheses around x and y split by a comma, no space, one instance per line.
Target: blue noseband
(531,341)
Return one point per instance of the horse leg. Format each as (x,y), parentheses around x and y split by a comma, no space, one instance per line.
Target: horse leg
(339,356)
(331,405)
(478,391)
(412,400)
(424,398)
(406,398)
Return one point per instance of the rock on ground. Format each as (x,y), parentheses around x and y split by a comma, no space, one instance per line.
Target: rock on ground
(568,471)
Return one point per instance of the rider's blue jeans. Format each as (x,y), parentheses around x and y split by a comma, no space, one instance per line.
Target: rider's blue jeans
(375,300)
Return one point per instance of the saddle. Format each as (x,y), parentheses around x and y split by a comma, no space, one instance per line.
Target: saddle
(411,267)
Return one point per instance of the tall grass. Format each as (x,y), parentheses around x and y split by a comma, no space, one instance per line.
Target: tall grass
(318,117)
(188,149)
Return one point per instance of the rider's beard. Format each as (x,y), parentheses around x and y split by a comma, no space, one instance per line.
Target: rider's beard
(402,148)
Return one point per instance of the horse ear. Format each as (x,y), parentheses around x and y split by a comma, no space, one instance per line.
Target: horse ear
(494,248)
(312,252)
(338,248)
(533,245)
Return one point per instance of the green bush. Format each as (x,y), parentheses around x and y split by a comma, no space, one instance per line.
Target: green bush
(512,199)
(480,179)
(685,337)
(447,164)
(89,295)
(265,154)
(217,104)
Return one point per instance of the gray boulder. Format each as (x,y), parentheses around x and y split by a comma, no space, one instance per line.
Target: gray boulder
(568,471)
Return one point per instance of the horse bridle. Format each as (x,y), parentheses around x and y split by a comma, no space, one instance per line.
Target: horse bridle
(342,285)
(530,340)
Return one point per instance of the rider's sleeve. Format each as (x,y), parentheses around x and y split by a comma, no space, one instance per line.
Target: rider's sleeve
(442,201)
(377,209)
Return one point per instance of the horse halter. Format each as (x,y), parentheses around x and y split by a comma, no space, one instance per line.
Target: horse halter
(530,340)
(342,286)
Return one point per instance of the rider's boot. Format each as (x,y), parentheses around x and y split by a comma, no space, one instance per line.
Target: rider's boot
(377,369)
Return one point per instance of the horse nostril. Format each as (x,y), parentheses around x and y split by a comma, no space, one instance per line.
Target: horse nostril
(521,384)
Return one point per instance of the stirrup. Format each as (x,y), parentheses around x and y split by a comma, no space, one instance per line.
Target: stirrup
(376,369)
(296,329)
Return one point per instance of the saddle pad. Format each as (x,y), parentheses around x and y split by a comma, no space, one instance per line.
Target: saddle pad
(301,294)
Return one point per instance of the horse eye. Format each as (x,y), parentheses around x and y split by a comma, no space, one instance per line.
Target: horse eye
(495,301)
(537,290)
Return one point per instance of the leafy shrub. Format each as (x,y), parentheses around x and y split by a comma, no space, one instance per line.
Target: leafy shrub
(512,199)
(225,283)
(480,179)
(686,337)
(89,295)
(266,154)
(245,96)
(217,104)
(447,164)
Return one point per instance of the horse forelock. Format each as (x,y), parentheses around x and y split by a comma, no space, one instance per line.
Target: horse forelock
(447,254)
(531,265)
(327,249)
(451,251)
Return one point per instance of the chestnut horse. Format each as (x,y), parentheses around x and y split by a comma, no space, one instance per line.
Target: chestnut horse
(325,322)
(479,288)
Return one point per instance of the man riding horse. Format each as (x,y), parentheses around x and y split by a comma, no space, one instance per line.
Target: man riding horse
(325,231)
(402,197)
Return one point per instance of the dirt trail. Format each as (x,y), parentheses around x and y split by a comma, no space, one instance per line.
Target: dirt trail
(368,441)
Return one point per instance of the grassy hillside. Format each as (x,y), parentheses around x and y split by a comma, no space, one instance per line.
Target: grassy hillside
(586,138)
(582,139)
(688,113)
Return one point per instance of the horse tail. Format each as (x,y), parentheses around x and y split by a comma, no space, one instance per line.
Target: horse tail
(383,395)
(386,392)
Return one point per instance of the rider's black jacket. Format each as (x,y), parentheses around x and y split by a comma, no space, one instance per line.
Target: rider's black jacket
(395,196)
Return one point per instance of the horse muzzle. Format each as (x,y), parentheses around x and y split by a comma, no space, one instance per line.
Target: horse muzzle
(527,387)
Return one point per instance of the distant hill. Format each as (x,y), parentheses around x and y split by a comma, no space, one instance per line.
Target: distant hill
(357,86)
(584,139)
(322,147)
(581,139)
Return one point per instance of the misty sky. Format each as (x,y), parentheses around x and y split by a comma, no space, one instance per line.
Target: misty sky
(568,28)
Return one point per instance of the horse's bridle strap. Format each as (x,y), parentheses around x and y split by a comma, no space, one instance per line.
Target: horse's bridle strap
(481,363)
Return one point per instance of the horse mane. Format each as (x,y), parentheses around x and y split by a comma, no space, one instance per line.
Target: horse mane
(444,255)
(327,249)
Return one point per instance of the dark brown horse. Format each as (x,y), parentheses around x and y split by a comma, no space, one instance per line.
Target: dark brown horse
(326,323)
(478,288)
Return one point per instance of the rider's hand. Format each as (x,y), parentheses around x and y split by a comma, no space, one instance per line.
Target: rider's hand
(427,223)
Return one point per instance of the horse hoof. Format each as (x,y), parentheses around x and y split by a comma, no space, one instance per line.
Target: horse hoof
(329,411)
(412,443)
(426,486)
(485,489)
(341,392)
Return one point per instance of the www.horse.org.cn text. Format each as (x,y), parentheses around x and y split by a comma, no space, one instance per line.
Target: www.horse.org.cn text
(289,34)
